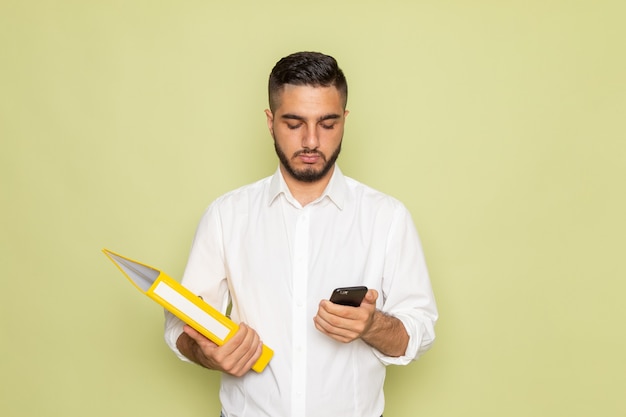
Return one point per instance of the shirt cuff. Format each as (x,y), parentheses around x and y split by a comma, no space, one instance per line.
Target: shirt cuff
(421,338)
(173,330)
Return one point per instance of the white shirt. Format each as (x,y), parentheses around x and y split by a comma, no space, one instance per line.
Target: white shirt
(277,260)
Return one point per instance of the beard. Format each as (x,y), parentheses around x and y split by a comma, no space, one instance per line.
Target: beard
(308,174)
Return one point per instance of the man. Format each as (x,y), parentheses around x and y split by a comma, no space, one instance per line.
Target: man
(277,248)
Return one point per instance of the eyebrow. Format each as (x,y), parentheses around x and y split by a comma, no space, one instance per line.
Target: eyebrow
(291,116)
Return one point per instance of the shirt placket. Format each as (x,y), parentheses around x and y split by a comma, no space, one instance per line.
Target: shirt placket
(299,279)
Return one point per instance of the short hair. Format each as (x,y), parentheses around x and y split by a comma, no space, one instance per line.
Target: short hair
(306,68)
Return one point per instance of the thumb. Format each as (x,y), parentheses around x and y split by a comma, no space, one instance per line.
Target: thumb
(371,296)
(191,332)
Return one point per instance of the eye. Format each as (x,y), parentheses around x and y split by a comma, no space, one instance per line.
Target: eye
(294,127)
(327,126)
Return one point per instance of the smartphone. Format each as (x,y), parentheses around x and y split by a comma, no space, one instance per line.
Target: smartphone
(348,296)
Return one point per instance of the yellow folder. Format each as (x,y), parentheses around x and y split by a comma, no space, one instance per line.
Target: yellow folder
(182,303)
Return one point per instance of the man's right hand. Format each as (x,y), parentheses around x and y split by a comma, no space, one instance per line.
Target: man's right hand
(235,357)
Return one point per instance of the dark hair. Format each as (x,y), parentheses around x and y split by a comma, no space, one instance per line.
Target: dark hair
(306,68)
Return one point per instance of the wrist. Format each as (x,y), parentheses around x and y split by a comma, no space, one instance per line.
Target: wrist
(387,334)
(190,349)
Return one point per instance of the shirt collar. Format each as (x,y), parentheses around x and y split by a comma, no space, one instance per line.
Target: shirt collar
(336,189)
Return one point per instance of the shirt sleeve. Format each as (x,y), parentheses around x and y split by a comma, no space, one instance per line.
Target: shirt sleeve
(407,292)
(204,274)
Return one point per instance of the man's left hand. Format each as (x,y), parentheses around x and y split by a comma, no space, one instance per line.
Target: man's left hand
(345,323)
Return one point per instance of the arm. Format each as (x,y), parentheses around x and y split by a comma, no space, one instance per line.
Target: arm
(235,357)
(382,331)
(205,275)
(403,328)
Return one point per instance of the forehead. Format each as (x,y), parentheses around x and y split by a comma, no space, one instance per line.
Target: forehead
(309,99)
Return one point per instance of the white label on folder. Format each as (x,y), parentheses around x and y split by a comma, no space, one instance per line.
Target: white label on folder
(191,310)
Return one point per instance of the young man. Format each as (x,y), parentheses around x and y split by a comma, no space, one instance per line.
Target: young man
(277,248)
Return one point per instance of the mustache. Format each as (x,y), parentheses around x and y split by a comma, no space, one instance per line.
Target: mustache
(309,152)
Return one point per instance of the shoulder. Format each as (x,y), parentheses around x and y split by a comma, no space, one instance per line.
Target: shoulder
(238,202)
(380,211)
(255,191)
(366,196)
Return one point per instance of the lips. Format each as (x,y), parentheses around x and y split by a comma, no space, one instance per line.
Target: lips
(309,157)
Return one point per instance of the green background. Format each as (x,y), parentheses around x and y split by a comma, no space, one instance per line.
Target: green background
(500,124)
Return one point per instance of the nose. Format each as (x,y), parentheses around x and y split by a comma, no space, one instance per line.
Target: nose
(310,140)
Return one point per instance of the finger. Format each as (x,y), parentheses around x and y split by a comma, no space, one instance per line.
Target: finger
(340,335)
(339,315)
(244,355)
(245,340)
(232,344)
(193,333)
(199,338)
(338,330)
(256,354)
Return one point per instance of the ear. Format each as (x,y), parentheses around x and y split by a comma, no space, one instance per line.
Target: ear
(270,120)
(345,113)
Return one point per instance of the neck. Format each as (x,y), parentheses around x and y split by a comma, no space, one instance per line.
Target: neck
(306,192)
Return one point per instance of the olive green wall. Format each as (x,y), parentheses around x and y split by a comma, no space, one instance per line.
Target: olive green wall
(500,124)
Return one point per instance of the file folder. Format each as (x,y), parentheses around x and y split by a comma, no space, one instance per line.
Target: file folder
(181,302)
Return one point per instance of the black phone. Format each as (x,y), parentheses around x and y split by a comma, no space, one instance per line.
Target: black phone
(348,296)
